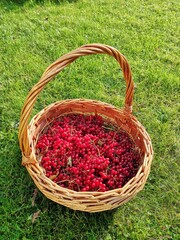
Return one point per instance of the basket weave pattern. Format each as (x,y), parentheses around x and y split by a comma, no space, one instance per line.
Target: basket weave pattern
(29,133)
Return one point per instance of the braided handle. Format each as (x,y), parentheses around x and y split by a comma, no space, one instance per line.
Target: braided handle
(59,65)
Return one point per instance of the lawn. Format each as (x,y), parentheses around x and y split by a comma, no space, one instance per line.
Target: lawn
(33,34)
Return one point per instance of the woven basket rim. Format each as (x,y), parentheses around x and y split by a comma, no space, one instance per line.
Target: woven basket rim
(122,189)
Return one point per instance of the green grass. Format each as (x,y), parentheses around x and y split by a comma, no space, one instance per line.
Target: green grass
(33,35)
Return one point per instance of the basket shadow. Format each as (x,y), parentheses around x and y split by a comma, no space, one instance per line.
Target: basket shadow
(77,224)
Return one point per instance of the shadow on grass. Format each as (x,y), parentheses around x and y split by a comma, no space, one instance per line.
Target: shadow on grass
(14,4)
(73,225)
(81,225)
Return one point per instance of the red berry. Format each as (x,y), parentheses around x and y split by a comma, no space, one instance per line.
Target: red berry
(87,153)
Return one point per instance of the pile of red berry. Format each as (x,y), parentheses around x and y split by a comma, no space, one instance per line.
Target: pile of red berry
(87,153)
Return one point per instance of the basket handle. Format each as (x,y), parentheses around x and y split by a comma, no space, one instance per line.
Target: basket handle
(58,66)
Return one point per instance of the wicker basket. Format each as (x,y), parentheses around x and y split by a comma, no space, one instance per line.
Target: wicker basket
(29,133)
